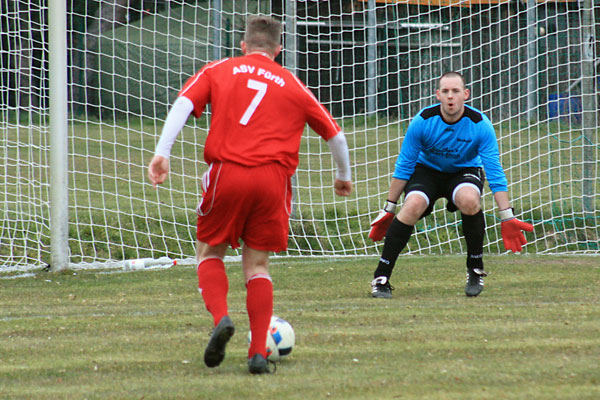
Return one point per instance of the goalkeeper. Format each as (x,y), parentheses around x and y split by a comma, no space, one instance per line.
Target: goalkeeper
(259,111)
(445,147)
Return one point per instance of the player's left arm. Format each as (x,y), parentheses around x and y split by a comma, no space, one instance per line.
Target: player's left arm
(339,150)
(322,122)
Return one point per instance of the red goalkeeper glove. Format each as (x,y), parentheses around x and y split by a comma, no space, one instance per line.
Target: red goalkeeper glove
(380,225)
(511,228)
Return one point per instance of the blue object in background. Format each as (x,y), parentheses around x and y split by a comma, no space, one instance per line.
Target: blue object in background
(561,105)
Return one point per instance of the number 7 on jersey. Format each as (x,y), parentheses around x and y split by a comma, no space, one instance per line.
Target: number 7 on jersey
(261,89)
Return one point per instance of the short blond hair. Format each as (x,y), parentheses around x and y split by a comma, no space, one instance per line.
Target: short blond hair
(263,33)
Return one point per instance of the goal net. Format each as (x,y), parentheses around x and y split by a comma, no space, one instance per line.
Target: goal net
(531,67)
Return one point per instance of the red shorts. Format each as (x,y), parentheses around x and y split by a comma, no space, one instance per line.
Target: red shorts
(248,203)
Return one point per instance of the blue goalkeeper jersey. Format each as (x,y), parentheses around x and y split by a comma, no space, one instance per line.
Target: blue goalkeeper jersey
(469,142)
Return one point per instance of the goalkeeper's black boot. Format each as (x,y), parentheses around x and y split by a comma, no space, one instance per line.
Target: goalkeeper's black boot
(215,350)
(381,288)
(258,365)
(474,284)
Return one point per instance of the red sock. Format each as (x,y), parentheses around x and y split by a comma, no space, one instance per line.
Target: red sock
(213,285)
(259,303)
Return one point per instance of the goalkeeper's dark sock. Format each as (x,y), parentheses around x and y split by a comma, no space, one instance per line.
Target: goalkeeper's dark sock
(214,285)
(396,238)
(474,230)
(259,304)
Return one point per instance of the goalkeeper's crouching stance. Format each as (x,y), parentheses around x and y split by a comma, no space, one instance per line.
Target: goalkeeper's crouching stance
(446,148)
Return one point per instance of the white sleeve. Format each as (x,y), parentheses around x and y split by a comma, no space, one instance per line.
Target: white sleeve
(339,150)
(174,123)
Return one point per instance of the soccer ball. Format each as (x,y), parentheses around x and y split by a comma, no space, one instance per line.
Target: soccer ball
(280,339)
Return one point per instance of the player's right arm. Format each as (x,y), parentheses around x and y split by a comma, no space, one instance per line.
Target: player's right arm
(158,170)
(193,97)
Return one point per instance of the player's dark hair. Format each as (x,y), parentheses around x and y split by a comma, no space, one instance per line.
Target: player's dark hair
(263,33)
(452,74)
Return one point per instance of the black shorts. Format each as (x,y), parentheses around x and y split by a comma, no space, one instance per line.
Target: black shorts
(435,184)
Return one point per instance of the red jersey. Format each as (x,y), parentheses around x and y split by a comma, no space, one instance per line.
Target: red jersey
(259,110)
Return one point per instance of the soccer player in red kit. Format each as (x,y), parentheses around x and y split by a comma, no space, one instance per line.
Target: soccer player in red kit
(259,111)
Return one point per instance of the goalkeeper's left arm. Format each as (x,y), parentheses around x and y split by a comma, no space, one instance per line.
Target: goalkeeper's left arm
(511,227)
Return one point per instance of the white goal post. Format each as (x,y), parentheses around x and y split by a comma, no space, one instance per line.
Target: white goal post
(532,66)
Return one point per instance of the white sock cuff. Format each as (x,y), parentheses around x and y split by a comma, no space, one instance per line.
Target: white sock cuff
(259,276)
(209,258)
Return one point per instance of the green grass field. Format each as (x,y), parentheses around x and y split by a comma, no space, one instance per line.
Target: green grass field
(534,333)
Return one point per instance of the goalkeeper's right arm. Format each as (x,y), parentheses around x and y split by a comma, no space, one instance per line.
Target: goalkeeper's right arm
(384,219)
